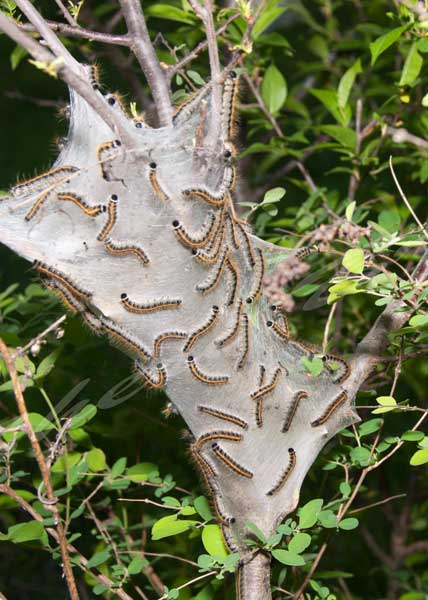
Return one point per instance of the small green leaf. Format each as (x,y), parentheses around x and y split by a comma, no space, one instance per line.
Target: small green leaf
(305,290)
(387,404)
(349,212)
(369,427)
(119,466)
(328,519)
(16,57)
(314,366)
(96,460)
(100,588)
(187,511)
(346,83)
(273,195)
(412,66)
(345,489)
(66,462)
(354,260)
(419,321)
(385,41)
(329,99)
(47,364)
(170,525)
(84,416)
(349,524)
(26,532)
(420,457)
(288,558)
(136,565)
(194,76)
(141,471)
(98,559)
(360,455)
(268,15)
(213,542)
(257,532)
(412,436)
(308,514)
(203,507)
(344,288)
(274,89)
(345,136)
(166,11)
(299,542)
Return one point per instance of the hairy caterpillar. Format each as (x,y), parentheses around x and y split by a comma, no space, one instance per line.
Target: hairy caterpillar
(164,337)
(123,338)
(220,414)
(331,409)
(105,155)
(235,329)
(234,282)
(283,479)
(256,289)
(294,406)
(52,273)
(54,176)
(154,182)
(124,249)
(268,388)
(212,281)
(230,462)
(198,239)
(341,361)
(90,211)
(149,307)
(245,341)
(193,338)
(208,379)
(111,221)
(157,381)
(230,95)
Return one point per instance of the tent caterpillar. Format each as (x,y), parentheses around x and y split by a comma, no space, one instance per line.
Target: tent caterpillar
(283,479)
(269,387)
(200,238)
(208,379)
(220,414)
(123,338)
(154,182)
(214,278)
(105,155)
(70,302)
(157,381)
(203,329)
(342,376)
(256,289)
(246,341)
(111,221)
(294,406)
(52,273)
(123,249)
(164,337)
(230,95)
(51,177)
(90,211)
(151,306)
(234,281)
(331,409)
(235,329)
(230,462)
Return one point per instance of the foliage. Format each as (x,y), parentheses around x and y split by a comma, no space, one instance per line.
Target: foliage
(340,88)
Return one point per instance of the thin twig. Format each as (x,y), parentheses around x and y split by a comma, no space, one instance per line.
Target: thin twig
(39,337)
(81,32)
(44,471)
(191,582)
(66,14)
(405,200)
(379,503)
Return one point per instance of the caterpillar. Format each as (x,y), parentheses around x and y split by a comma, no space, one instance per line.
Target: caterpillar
(210,256)
(283,479)
(92,322)
(154,182)
(187,107)
(282,332)
(94,76)
(331,409)
(112,218)
(303,252)
(208,379)
(205,328)
(70,302)
(256,289)
(230,545)
(54,176)
(163,337)
(232,231)
(90,211)
(104,156)
(294,406)
(215,198)
(239,584)
(229,436)
(157,381)
(52,273)
(220,414)
(113,99)
(234,281)
(259,412)
(124,249)
(38,204)
(230,462)
(245,342)
(262,374)
(341,361)
(205,468)
(230,95)
(149,307)
(235,329)
(123,338)
(201,238)
(212,281)
(269,387)
(248,246)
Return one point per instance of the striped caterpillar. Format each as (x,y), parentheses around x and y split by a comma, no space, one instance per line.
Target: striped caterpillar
(205,328)
(149,307)
(286,474)
(331,409)
(204,378)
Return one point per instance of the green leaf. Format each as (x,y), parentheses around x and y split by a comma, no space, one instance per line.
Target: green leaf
(187,511)
(84,416)
(65,462)
(203,507)
(413,596)
(96,460)
(98,559)
(345,136)
(349,212)
(327,519)
(308,514)
(369,427)
(412,66)
(305,290)
(268,15)
(360,455)
(349,524)
(314,366)
(141,471)
(345,489)
(385,41)
(194,76)
(166,11)
(170,525)
(299,543)
(329,99)
(26,532)
(288,558)
(119,466)
(47,364)
(344,288)
(419,321)
(213,542)
(274,89)
(354,260)
(136,565)
(16,57)
(420,457)
(389,220)
(387,404)
(273,195)
(412,436)
(100,588)
(346,83)
(257,532)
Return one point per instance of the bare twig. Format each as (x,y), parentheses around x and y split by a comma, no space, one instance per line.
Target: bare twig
(76,31)
(66,14)
(39,337)
(405,200)
(143,49)
(68,571)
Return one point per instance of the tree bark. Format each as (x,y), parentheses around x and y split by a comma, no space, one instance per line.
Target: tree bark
(253,578)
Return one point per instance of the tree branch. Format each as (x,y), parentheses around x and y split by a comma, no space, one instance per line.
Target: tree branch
(143,49)
(75,81)
(81,32)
